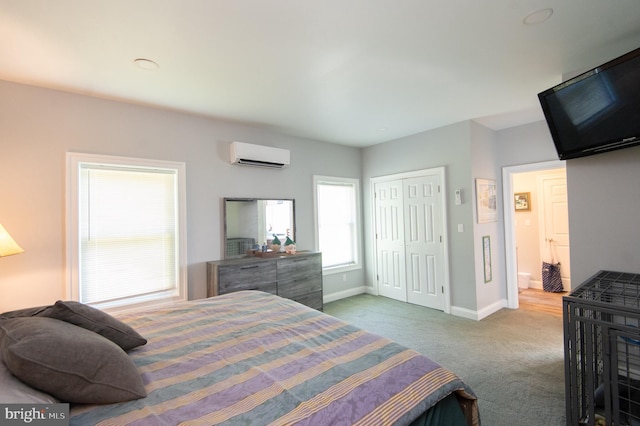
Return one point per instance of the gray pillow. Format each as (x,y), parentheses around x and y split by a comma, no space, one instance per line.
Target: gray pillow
(27,312)
(93,319)
(13,391)
(68,362)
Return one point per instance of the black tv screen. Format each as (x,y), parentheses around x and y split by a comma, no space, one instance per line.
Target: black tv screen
(597,111)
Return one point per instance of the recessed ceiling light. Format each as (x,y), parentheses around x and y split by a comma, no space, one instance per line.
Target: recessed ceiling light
(538,17)
(146,64)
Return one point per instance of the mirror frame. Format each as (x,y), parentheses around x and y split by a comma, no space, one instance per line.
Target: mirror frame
(224,218)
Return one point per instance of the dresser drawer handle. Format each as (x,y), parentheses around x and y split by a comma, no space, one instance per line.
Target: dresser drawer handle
(250,267)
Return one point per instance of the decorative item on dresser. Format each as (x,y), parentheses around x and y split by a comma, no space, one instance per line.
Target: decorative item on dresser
(297,277)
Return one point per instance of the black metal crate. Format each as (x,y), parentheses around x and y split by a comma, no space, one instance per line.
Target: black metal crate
(602,350)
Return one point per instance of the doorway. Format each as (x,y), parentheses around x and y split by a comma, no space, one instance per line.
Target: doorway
(535,226)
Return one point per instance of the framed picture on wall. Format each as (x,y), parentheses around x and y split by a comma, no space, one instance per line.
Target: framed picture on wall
(522,201)
(486,255)
(486,200)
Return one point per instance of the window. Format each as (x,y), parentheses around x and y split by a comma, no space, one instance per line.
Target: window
(337,222)
(127,233)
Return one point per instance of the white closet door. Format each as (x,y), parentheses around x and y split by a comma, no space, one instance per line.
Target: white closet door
(410,255)
(423,241)
(390,257)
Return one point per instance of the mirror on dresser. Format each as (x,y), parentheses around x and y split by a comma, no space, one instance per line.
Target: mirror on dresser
(251,221)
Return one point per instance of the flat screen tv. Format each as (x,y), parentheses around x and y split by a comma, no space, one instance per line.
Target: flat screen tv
(596,111)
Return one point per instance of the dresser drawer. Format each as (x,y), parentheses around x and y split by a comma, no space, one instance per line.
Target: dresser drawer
(299,265)
(299,275)
(312,300)
(259,275)
(266,287)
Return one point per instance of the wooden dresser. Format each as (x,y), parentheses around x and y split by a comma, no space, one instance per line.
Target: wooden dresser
(297,277)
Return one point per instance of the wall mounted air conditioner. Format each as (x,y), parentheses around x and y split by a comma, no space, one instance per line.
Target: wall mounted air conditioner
(247,154)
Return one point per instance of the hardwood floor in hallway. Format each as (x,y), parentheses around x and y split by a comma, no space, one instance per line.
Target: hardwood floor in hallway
(541,301)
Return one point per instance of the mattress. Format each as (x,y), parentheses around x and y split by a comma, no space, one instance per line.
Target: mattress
(258,359)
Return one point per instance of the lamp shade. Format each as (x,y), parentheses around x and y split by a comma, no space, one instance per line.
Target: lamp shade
(7,245)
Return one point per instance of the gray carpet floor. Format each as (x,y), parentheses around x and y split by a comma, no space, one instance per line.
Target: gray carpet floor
(513,359)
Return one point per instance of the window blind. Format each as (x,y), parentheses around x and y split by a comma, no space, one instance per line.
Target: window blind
(128,228)
(337,224)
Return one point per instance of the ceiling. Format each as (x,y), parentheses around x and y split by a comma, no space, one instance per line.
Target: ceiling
(353,72)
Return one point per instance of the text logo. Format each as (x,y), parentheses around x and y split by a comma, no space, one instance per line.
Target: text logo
(34,414)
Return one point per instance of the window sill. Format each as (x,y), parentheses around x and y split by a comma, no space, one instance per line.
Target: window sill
(340,269)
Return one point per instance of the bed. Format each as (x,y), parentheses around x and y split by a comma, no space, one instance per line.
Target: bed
(251,358)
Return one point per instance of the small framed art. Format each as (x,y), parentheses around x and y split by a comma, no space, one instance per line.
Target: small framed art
(522,201)
(486,254)
(486,200)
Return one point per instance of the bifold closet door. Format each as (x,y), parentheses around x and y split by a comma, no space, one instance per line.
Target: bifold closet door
(390,258)
(424,251)
(409,247)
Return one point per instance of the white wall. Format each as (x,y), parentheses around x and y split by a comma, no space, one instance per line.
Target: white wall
(491,296)
(526,144)
(604,198)
(447,147)
(37,128)
(468,151)
(604,201)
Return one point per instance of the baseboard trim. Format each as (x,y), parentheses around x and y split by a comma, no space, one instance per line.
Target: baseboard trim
(535,284)
(481,314)
(326,298)
(455,310)
(464,313)
(492,309)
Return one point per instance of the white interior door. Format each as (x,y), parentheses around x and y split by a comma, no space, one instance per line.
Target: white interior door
(423,241)
(555,223)
(410,245)
(390,253)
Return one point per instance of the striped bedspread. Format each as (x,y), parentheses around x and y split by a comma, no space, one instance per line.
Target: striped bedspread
(257,359)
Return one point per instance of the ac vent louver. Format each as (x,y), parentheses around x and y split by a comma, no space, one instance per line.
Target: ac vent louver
(246,154)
